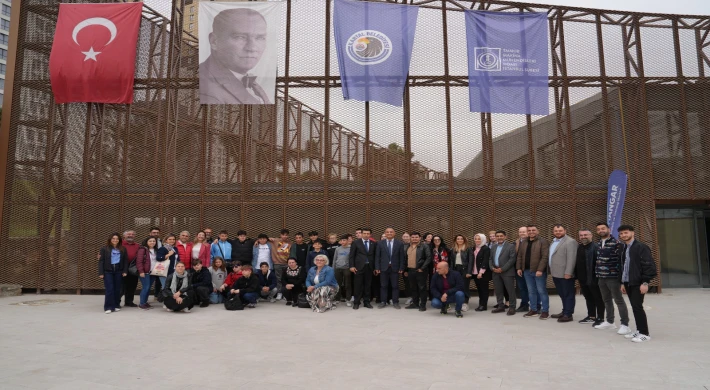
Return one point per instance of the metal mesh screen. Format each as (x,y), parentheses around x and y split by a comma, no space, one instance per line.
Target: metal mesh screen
(628,91)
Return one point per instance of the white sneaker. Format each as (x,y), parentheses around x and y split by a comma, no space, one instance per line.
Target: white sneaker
(279,296)
(464,307)
(605,325)
(117,309)
(632,335)
(409,302)
(107,312)
(350,303)
(186,310)
(168,310)
(641,338)
(165,307)
(624,330)
(272,300)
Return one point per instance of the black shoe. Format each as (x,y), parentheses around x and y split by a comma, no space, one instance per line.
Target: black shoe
(481,308)
(204,304)
(130,304)
(412,306)
(523,309)
(422,308)
(597,322)
(588,320)
(458,314)
(367,305)
(444,309)
(288,303)
(382,305)
(356,306)
(496,306)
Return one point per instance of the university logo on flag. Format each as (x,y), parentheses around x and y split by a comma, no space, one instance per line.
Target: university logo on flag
(374,44)
(94,52)
(507,62)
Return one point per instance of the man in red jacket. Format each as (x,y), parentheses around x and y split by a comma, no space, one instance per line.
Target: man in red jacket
(231,278)
(130,282)
(184,249)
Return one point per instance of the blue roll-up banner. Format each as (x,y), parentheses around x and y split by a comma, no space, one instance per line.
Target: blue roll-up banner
(615,199)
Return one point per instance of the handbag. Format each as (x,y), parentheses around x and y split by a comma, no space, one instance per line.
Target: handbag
(133,268)
(302,302)
(234,303)
(161,268)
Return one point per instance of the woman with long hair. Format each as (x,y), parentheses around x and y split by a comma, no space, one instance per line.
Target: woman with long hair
(439,251)
(201,249)
(145,261)
(113,266)
(460,255)
(478,269)
(219,274)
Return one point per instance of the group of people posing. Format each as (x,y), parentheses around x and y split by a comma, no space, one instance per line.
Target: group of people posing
(355,269)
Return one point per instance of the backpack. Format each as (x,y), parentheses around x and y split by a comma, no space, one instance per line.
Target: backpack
(233,303)
(302,302)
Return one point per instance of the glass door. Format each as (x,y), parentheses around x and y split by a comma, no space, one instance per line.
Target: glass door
(678,245)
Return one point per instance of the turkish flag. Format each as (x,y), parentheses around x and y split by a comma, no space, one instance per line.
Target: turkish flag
(94,52)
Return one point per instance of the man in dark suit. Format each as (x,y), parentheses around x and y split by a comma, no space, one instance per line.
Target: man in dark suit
(389,263)
(362,261)
(502,262)
(417,257)
(237,42)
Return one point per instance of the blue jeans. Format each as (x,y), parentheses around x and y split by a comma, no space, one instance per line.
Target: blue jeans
(216,297)
(250,297)
(537,288)
(146,282)
(460,297)
(112,285)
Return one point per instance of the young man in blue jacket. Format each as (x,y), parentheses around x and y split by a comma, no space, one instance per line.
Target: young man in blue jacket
(267,283)
(446,288)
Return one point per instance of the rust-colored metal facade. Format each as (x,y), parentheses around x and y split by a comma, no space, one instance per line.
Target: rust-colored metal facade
(630,91)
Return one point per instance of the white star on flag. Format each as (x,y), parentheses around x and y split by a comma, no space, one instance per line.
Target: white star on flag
(91,54)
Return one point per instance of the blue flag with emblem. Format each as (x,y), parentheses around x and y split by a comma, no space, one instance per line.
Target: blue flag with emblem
(616,194)
(507,62)
(374,43)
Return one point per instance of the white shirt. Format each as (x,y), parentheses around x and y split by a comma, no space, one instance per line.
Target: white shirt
(153,260)
(263,254)
(196,250)
(240,77)
(316,279)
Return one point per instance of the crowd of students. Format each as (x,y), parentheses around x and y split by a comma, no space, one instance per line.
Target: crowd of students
(356,269)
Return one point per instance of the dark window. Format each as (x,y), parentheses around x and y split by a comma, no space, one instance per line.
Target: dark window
(2,68)
(5,24)
(2,84)
(3,54)
(4,39)
(6,10)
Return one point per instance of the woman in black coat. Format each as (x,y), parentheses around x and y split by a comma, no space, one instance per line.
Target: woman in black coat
(478,269)
(113,266)
(459,257)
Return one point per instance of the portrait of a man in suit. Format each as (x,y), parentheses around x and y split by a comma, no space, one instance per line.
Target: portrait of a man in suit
(237,43)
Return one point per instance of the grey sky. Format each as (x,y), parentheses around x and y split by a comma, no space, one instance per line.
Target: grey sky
(428,109)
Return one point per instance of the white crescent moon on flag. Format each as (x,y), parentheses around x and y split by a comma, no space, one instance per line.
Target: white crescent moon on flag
(95,21)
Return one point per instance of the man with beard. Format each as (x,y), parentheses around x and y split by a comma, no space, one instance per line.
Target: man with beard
(586,260)
(608,272)
(130,282)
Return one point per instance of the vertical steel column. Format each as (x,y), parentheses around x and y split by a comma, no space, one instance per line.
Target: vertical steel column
(447,89)
(606,118)
(688,169)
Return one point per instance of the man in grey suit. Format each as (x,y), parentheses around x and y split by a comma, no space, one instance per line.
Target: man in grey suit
(389,263)
(563,259)
(502,262)
(237,42)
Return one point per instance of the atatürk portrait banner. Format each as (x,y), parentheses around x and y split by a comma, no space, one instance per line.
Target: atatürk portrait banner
(238,52)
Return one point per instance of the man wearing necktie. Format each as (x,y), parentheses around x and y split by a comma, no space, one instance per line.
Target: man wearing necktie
(502,262)
(362,259)
(389,263)
(237,42)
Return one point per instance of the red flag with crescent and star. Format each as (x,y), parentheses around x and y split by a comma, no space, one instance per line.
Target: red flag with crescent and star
(94,52)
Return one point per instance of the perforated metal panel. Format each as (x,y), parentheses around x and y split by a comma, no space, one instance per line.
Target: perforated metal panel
(629,91)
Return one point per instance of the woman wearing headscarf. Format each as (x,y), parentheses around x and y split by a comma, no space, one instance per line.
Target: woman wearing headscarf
(321,286)
(178,295)
(478,269)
